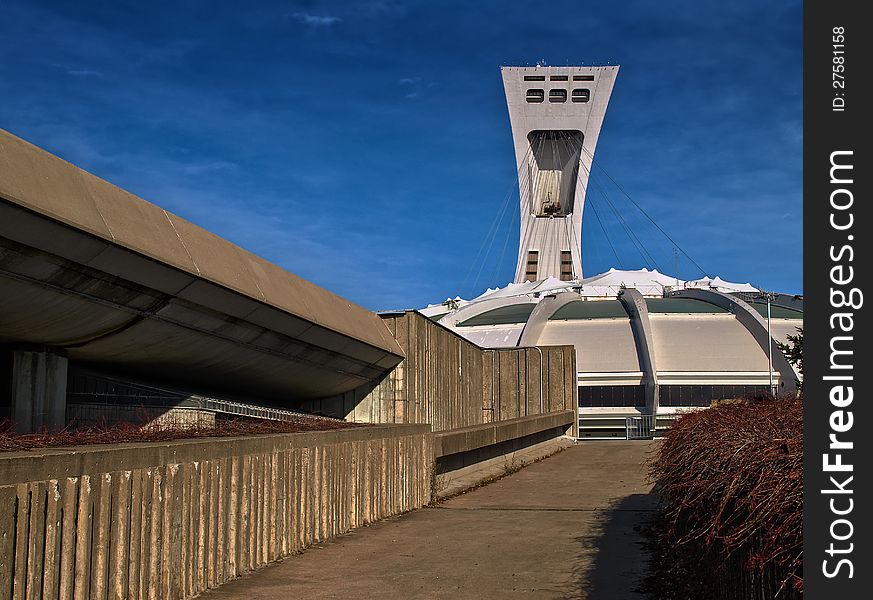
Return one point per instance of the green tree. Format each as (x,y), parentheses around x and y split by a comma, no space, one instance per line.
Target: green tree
(793,352)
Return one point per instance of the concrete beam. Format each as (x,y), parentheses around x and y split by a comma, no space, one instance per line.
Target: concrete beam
(753,322)
(139,237)
(475,437)
(38,390)
(120,282)
(467,456)
(636,308)
(540,316)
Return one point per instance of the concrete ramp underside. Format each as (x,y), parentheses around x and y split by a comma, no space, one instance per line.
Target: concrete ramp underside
(109,279)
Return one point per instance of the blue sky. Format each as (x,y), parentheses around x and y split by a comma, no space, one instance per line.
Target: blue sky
(366,146)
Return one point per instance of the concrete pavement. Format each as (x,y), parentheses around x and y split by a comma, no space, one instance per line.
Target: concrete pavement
(566,527)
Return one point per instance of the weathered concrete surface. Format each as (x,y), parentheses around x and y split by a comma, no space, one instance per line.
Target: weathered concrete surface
(463,479)
(169,520)
(450,382)
(39,390)
(561,528)
(467,456)
(475,437)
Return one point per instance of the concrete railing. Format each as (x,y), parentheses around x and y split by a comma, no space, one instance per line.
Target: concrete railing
(169,520)
(469,439)
(172,519)
(464,457)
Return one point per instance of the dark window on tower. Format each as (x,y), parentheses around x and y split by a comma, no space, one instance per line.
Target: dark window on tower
(533,259)
(583,77)
(534,95)
(557,77)
(581,95)
(557,95)
(566,265)
(534,77)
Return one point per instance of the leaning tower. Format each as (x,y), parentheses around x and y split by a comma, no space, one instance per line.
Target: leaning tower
(556,114)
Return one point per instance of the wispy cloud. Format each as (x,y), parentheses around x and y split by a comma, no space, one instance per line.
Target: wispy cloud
(414,84)
(84,73)
(316,20)
(207,167)
(282,143)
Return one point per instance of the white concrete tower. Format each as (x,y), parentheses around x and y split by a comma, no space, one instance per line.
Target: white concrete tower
(556,114)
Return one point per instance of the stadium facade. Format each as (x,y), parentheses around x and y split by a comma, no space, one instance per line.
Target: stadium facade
(647,344)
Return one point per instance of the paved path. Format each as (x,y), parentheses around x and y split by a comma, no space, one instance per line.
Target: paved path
(566,527)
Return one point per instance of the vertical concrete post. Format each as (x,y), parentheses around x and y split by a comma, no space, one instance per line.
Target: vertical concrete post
(38,391)
(638,311)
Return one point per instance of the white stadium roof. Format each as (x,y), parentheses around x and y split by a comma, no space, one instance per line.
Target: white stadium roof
(648,283)
(702,332)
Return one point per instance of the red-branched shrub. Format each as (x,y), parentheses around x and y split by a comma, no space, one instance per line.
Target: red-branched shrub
(731,478)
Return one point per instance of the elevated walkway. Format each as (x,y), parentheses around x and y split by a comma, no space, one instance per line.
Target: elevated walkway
(566,527)
(91,273)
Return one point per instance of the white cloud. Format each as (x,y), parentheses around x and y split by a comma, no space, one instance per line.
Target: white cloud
(84,73)
(208,166)
(316,20)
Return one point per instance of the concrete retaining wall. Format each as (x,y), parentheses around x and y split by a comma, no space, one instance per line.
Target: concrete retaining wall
(465,457)
(471,439)
(450,382)
(170,520)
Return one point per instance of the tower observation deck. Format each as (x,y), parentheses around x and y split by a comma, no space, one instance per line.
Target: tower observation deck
(555,114)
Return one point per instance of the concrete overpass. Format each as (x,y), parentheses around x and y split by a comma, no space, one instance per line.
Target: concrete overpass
(94,274)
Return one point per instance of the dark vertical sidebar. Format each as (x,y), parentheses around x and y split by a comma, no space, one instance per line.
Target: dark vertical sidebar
(838,421)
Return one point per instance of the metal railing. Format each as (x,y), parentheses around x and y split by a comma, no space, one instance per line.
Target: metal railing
(624,427)
(112,391)
(639,428)
(252,410)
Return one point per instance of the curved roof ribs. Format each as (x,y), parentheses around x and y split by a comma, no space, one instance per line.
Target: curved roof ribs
(754,323)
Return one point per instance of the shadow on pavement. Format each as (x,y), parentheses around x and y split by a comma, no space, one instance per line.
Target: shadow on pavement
(620,559)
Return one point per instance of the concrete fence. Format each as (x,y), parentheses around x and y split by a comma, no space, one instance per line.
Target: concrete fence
(169,520)
(519,382)
(450,382)
(466,456)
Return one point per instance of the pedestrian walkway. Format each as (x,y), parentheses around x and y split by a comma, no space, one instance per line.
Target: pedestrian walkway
(566,527)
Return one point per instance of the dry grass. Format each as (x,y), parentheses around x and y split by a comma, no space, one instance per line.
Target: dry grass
(138,432)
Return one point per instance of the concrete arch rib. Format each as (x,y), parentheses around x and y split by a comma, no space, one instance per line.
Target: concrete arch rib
(754,323)
(538,319)
(477,308)
(638,311)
